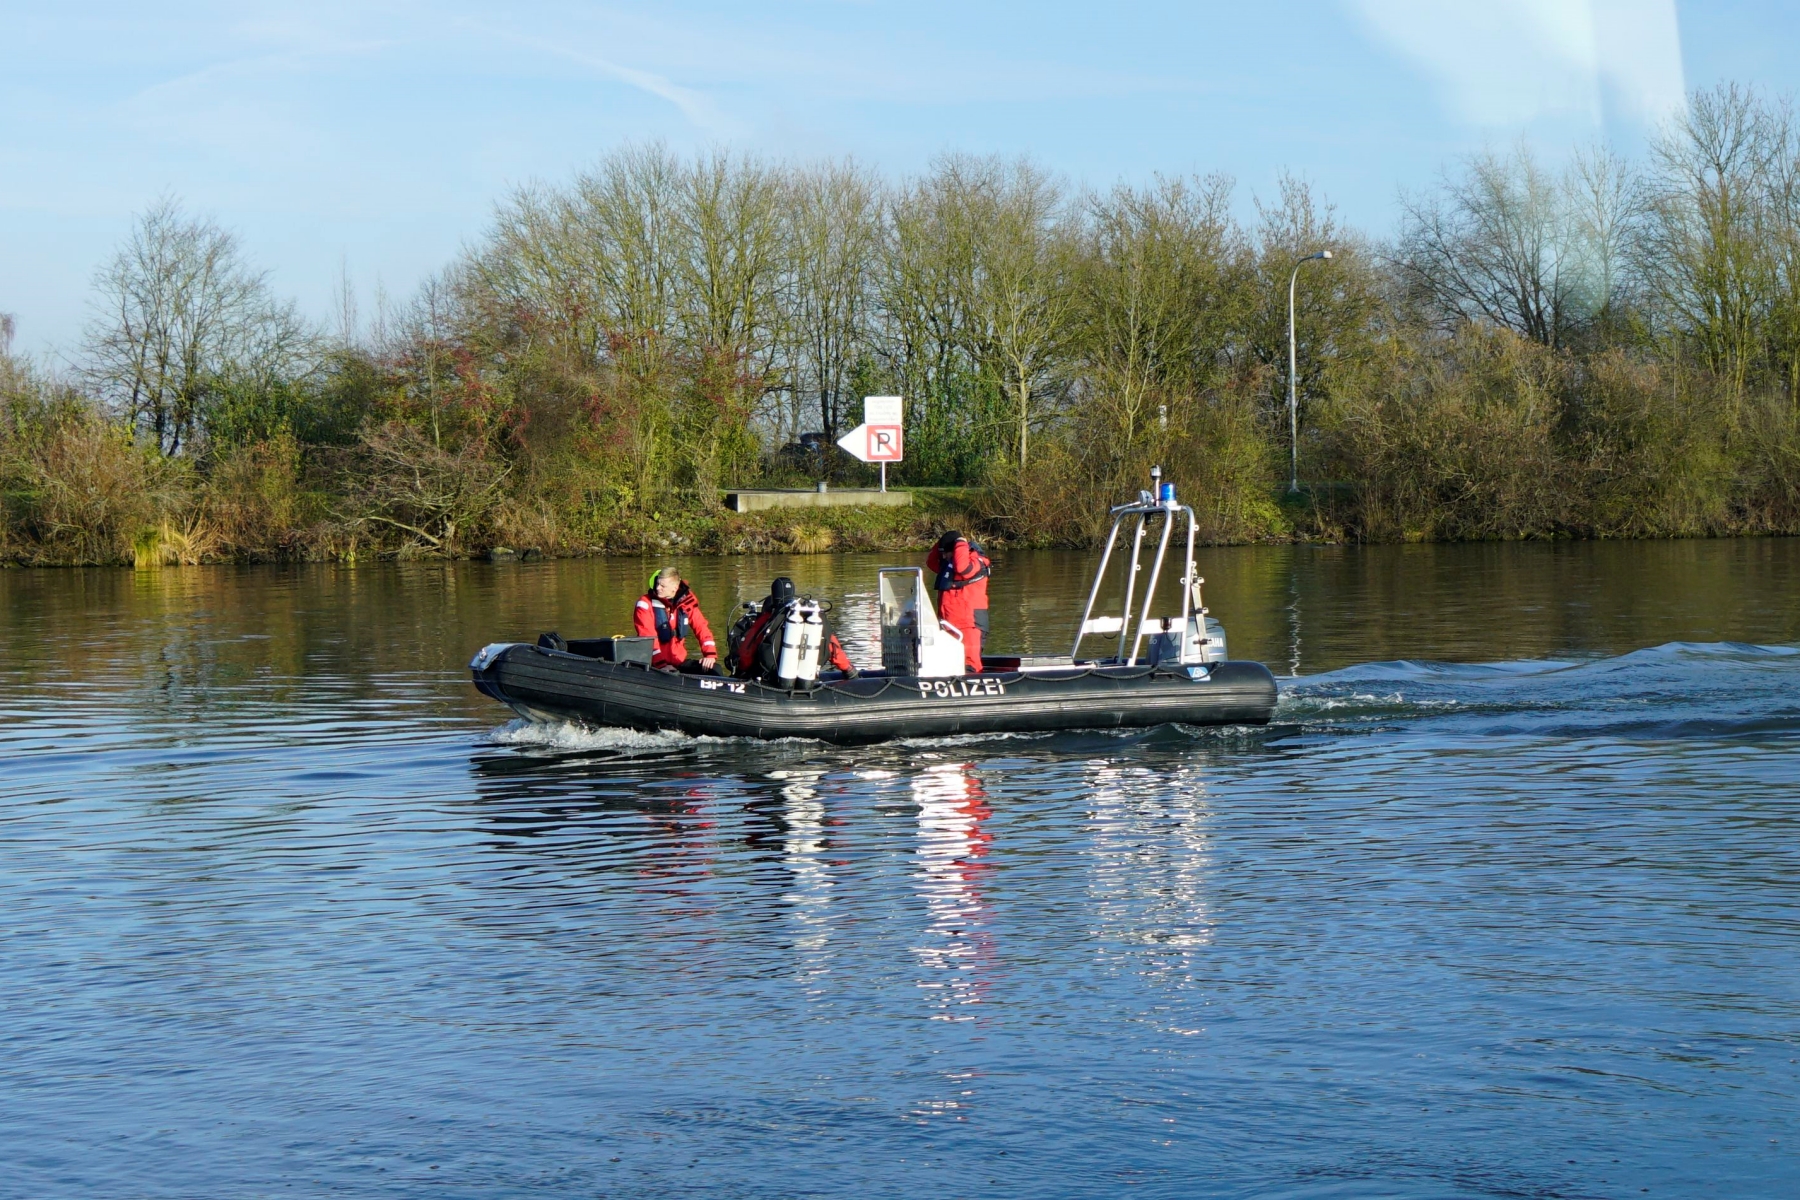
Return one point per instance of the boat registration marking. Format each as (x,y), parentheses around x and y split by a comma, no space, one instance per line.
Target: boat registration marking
(945,689)
(730,685)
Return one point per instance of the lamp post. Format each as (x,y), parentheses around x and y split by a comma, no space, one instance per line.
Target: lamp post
(1293,369)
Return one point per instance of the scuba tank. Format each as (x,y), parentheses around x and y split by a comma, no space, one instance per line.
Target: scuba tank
(802,635)
(812,640)
(787,664)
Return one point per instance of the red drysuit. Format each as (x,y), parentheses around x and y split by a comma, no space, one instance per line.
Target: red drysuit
(962,595)
(670,624)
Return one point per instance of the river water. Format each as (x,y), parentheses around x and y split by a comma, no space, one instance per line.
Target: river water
(1506,902)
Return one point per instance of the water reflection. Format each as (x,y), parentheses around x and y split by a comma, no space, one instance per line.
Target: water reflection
(187,643)
(1149,860)
(1293,617)
(808,893)
(958,951)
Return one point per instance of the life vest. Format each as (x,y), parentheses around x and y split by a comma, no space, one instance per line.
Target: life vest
(949,583)
(947,580)
(672,625)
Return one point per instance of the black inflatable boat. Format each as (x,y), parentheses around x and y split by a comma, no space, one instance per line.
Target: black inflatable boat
(545,684)
(1163,670)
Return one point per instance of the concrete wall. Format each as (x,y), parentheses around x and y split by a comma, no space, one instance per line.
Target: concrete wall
(754,501)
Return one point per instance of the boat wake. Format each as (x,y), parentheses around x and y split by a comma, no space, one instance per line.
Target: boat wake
(1678,690)
(563,735)
(617,742)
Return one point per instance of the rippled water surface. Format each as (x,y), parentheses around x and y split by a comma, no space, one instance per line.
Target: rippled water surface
(1505,902)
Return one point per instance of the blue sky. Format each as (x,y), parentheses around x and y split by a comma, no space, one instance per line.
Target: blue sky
(378,135)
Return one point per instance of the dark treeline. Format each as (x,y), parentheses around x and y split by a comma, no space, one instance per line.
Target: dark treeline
(1604,351)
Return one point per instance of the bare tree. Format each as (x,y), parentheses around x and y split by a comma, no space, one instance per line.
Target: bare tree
(732,249)
(1604,211)
(1707,249)
(1154,281)
(627,214)
(1783,245)
(181,318)
(344,308)
(1022,301)
(836,230)
(427,350)
(1493,244)
(1336,307)
(533,285)
(415,485)
(975,304)
(925,285)
(733,232)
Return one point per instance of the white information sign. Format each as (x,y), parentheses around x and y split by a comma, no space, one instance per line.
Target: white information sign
(883,410)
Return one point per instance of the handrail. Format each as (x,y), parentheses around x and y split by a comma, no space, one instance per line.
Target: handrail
(1131,638)
(1187,581)
(1156,574)
(1162,550)
(1137,552)
(1094,592)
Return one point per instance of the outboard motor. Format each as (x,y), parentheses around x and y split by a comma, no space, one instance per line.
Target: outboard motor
(802,637)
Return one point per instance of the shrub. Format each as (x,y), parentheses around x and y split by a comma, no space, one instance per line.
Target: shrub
(76,489)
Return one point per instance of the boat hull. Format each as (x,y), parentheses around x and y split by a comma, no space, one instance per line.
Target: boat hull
(543,684)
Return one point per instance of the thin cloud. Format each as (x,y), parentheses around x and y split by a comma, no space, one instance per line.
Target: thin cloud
(695,105)
(1507,62)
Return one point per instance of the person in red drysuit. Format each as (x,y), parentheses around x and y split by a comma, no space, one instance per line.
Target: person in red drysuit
(750,646)
(669,612)
(962,573)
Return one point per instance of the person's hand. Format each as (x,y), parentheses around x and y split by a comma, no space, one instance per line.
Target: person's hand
(710,661)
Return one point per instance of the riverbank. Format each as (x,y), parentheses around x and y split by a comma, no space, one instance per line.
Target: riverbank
(720,534)
(200,539)
(199,535)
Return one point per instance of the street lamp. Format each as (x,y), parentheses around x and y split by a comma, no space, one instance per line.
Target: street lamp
(1293,368)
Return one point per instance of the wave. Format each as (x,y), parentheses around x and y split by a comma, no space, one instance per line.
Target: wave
(1676,690)
(617,741)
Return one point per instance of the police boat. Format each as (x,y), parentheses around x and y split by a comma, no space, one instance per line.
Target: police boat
(1149,670)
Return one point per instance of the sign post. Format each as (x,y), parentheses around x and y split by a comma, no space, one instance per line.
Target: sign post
(880,438)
